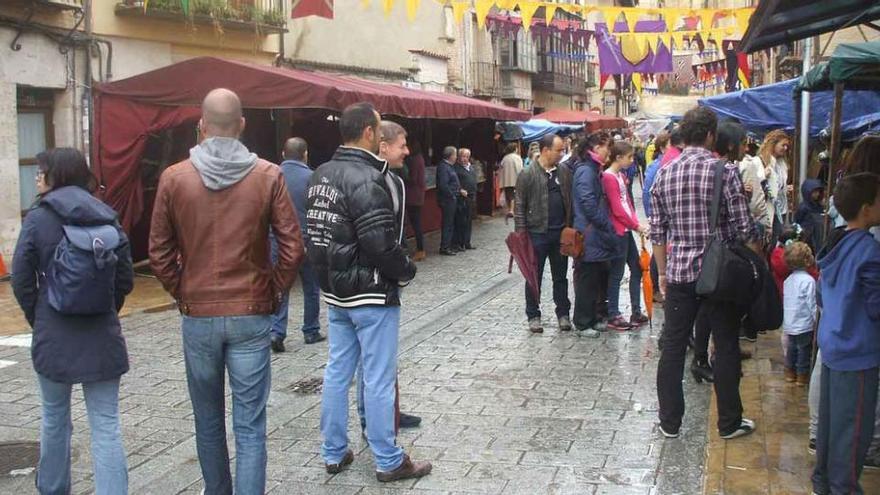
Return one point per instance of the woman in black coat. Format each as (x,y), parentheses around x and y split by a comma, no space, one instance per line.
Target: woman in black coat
(69,348)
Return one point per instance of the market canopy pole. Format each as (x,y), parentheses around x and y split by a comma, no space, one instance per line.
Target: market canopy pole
(804,127)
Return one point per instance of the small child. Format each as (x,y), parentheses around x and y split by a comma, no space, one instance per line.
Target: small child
(799,309)
(848,338)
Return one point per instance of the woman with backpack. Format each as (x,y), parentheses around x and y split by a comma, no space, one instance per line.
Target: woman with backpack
(71,272)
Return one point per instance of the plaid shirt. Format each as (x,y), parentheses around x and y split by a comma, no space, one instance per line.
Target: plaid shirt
(681,199)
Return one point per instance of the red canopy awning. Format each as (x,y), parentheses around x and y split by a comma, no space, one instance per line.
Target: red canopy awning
(129,110)
(260,86)
(592,121)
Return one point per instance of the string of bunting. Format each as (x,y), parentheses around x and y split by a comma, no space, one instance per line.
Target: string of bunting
(570,31)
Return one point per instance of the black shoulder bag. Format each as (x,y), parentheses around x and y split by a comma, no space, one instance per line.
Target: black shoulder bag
(728,273)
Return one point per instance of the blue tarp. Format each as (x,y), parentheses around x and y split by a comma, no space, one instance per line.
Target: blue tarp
(535,129)
(854,129)
(772,106)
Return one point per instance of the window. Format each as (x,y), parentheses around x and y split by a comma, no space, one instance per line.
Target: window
(34,135)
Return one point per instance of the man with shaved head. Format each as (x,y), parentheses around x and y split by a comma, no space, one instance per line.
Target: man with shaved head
(297,175)
(209,246)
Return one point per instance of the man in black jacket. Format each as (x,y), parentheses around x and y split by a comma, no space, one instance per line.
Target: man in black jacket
(448,192)
(355,225)
(467,178)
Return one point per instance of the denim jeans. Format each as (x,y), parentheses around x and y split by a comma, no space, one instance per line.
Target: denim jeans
(362,410)
(800,349)
(311,300)
(546,247)
(108,455)
(239,345)
(630,258)
(369,333)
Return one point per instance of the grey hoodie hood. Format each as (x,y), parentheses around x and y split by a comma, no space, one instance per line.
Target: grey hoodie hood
(222,162)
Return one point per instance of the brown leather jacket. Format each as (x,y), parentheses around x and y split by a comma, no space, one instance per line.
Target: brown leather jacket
(210,249)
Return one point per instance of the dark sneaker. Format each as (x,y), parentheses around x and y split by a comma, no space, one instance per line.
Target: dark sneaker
(277,345)
(409,421)
(638,319)
(535,325)
(746,427)
(447,252)
(872,464)
(314,338)
(747,337)
(564,324)
(407,470)
(346,461)
(619,323)
(469,247)
(812,447)
(668,433)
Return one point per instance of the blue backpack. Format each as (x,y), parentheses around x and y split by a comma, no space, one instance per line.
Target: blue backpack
(82,275)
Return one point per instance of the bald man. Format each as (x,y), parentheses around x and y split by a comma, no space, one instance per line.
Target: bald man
(297,175)
(209,246)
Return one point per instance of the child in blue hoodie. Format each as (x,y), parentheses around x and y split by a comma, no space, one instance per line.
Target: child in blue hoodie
(849,337)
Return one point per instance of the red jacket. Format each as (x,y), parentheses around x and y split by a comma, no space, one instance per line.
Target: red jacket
(780,269)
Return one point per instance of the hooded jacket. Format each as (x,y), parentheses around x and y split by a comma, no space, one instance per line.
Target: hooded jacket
(810,214)
(849,330)
(209,238)
(591,213)
(66,348)
(355,226)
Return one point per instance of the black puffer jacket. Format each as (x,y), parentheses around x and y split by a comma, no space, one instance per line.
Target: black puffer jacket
(354,233)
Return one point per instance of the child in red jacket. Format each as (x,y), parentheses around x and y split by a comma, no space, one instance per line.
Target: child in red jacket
(778,266)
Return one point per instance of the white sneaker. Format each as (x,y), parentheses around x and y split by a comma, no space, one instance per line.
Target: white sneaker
(668,434)
(746,427)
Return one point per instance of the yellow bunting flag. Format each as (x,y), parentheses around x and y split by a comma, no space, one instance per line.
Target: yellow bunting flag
(506,4)
(706,17)
(652,42)
(678,39)
(637,82)
(742,19)
(527,11)
(387,6)
(672,17)
(482,7)
(611,15)
(666,38)
(412,8)
(549,12)
(632,17)
(459,7)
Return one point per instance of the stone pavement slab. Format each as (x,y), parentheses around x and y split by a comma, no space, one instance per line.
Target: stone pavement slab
(504,411)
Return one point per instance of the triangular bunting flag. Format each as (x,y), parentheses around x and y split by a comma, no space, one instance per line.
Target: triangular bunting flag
(549,12)
(388,5)
(666,38)
(527,11)
(742,19)
(603,78)
(412,8)
(637,82)
(482,7)
(652,43)
(611,15)
(706,18)
(571,8)
(671,17)
(459,7)
(678,39)
(632,17)
(506,4)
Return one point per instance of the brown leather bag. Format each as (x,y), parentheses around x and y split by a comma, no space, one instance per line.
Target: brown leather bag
(571,242)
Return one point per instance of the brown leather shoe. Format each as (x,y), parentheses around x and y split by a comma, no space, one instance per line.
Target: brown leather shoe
(419,256)
(408,469)
(803,379)
(346,461)
(790,376)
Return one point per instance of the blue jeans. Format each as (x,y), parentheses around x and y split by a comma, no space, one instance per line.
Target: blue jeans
(630,258)
(239,345)
(798,352)
(108,455)
(369,333)
(311,300)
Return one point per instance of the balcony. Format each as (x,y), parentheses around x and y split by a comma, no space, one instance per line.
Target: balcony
(556,82)
(262,16)
(486,79)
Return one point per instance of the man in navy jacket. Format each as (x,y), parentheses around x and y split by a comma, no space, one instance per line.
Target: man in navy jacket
(448,191)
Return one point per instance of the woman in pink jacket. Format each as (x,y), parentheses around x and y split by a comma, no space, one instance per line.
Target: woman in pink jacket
(625,220)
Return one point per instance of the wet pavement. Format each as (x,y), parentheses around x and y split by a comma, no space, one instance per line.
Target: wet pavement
(504,411)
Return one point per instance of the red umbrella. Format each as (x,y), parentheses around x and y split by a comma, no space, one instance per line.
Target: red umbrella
(520,246)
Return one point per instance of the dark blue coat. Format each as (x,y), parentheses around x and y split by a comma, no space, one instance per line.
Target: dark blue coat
(66,348)
(591,214)
(297,176)
(448,186)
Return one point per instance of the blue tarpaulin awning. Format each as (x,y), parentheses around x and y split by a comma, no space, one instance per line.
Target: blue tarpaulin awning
(771,106)
(535,129)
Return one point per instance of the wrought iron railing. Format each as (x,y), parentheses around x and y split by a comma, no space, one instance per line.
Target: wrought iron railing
(261,12)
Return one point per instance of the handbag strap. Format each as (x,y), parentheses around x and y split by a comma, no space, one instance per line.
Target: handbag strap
(715,208)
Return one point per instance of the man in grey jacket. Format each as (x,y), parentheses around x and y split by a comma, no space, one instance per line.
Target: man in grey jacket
(543,209)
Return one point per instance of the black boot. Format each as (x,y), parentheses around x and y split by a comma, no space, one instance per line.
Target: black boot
(702,371)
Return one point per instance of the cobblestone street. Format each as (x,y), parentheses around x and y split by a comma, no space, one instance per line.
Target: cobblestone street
(504,411)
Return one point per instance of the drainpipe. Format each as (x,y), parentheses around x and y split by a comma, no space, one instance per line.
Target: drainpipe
(87,98)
